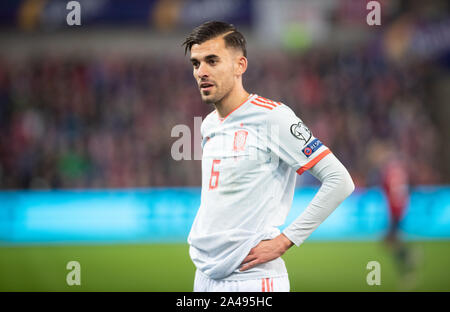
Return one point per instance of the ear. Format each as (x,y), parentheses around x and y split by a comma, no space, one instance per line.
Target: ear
(241,63)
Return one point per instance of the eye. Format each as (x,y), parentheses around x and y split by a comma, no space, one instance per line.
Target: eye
(212,62)
(195,64)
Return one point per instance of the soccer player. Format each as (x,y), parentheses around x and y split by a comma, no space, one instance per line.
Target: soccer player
(253,148)
(395,184)
(396,188)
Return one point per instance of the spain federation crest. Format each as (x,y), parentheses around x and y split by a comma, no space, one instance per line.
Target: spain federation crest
(240,137)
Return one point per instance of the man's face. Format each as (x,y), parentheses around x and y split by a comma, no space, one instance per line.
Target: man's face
(214,68)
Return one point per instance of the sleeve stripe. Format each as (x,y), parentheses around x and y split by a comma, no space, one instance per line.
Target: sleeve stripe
(313,162)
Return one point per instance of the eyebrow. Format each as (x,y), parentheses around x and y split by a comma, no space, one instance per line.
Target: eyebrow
(208,57)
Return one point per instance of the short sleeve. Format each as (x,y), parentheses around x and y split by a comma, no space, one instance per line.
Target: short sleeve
(292,141)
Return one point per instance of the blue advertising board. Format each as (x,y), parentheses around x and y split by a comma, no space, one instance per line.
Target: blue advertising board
(166,215)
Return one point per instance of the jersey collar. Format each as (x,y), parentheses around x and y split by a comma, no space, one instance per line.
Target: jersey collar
(240,105)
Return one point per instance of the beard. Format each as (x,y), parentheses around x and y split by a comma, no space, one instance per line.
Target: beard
(210,97)
(206,97)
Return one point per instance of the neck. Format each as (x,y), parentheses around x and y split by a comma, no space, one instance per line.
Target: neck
(230,102)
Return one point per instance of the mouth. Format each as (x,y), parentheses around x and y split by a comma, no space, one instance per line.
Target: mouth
(206,86)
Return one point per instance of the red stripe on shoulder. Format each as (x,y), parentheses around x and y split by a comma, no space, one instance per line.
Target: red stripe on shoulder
(265,106)
(268,101)
(265,103)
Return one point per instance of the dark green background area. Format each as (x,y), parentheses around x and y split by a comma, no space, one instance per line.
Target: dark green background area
(315,266)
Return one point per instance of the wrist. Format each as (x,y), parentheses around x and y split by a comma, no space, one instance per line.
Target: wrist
(285,242)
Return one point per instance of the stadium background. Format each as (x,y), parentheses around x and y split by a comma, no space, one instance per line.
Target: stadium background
(86,119)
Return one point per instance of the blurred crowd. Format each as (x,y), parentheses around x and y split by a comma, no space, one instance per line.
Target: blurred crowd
(105,122)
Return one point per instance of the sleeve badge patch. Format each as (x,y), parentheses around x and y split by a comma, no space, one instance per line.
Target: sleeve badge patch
(312,147)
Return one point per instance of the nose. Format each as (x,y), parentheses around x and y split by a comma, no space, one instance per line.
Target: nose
(202,71)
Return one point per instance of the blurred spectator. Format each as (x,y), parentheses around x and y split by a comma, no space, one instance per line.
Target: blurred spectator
(71,122)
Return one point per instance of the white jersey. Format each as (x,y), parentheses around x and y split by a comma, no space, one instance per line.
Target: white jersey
(249,165)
